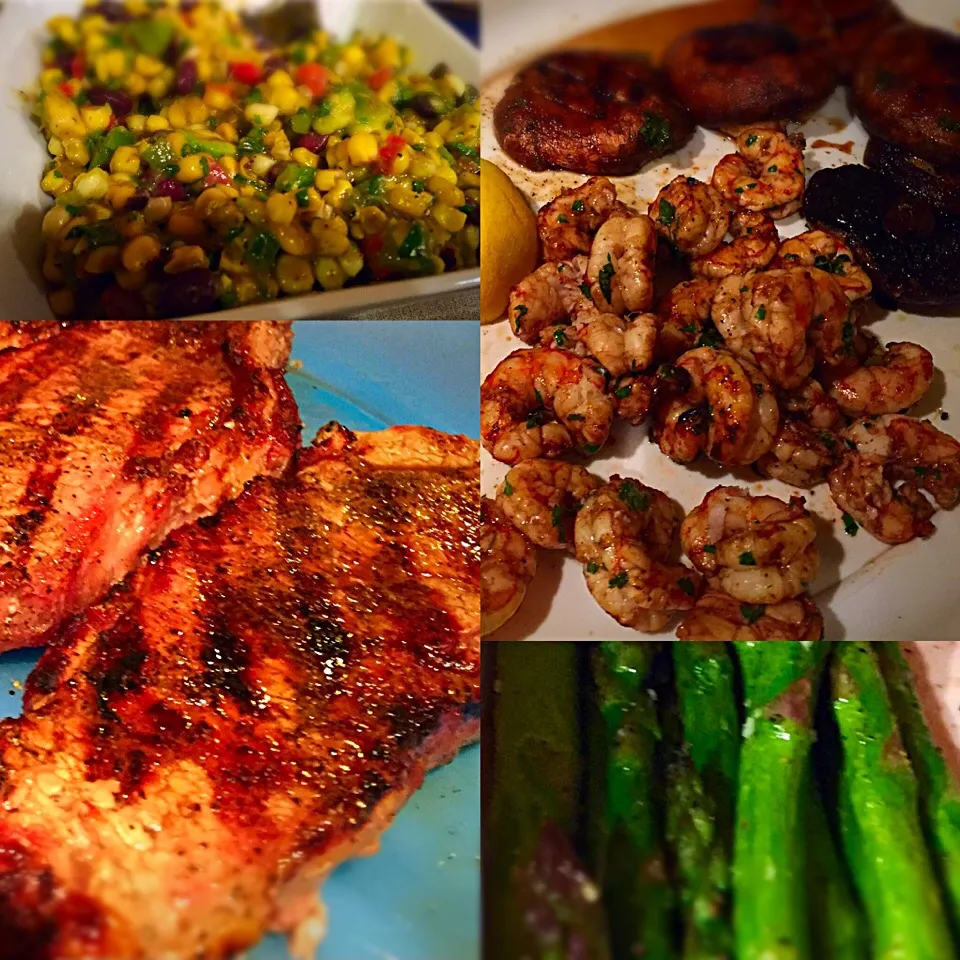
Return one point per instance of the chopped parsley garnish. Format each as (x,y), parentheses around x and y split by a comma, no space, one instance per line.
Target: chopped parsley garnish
(828,440)
(585,289)
(592,567)
(751,140)
(577,206)
(772,168)
(689,328)
(520,311)
(635,499)
(624,392)
(507,488)
(747,559)
(556,519)
(591,447)
(833,263)
(752,612)
(850,525)
(620,580)
(758,389)
(605,277)
(686,585)
(761,313)
(667,212)
(559,338)
(710,548)
(949,124)
(656,130)
(710,337)
(562,219)
(576,416)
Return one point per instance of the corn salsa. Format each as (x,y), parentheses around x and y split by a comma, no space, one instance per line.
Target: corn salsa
(195,167)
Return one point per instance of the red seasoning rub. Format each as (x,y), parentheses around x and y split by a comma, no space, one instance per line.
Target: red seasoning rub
(592,113)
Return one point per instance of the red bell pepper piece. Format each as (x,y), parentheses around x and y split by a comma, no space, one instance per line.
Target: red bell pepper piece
(246,73)
(313,75)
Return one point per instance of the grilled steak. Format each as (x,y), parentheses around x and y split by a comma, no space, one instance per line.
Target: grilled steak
(248,709)
(21,333)
(114,434)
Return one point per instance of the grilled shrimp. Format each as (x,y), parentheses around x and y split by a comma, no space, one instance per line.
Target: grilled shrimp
(633,395)
(691,215)
(625,533)
(887,465)
(759,549)
(684,313)
(715,402)
(833,332)
(766,173)
(892,380)
(542,403)
(508,563)
(754,245)
(718,616)
(824,251)
(545,297)
(766,316)
(806,446)
(620,269)
(568,222)
(541,499)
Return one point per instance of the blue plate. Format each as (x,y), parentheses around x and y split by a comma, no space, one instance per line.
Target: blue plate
(418,898)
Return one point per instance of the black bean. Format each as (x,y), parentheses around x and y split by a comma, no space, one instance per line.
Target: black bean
(186,77)
(120,103)
(274,172)
(137,202)
(187,293)
(440,70)
(272,64)
(425,105)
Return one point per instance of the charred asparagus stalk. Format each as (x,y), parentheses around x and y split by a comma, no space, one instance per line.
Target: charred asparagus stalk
(880,825)
(535,775)
(939,789)
(629,856)
(780,681)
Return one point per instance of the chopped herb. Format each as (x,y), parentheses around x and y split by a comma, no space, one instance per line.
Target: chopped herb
(791,256)
(538,395)
(507,488)
(747,559)
(847,335)
(262,251)
(828,440)
(303,198)
(882,79)
(562,219)
(605,278)
(102,146)
(635,499)
(758,389)
(591,447)
(772,168)
(761,313)
(620,580)
(624,392)
(418,186)
(689,328)
(850,525)
(577,206)
(592,567)
(850,443)
(667,212)
(585,289)
(686,585)
(415,242)
(559,338)
(949,124)
(833,263)
(520,311)
(751,140)
(251,143)
(738,190)
(232,234)
(466,151)
(710,337)
(297,176)
(556,518)
(752,612)
(576,416)
(710,548)
(656,130)
(535,419)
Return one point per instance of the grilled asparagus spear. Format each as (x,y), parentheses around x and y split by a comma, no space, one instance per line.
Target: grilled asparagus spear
(880,824)
(780,681)
(535,775)
(629,857)
(939,789)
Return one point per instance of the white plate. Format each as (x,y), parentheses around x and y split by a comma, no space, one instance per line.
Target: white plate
(866,590)
(23,154)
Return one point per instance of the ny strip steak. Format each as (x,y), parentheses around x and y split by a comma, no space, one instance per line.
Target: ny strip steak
(247,709)
(113,434)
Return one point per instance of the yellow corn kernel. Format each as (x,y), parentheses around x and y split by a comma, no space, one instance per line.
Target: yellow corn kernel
(225,217)
(279,78)
(362,148)
(285,99)
(76,151)
(63,117)
(445,191)
(304,156)
(97,211)
(388,91)
(228,132)
(92,185)
(210,199)
(468,180)
(54,183)
(279,144)
(330,236)
(135,84)
(119,193)
(422,167)
(148,66)
(401,162)
(352,261)
(185,223)
(136,123)
(190,169)
(125,160)
(196,109)
(177,114)
(50,78)
(314,202)
(293,238)
(132,225)
(52,270)
(140,251)
(55,146)
(65,28)
(405,201)
(176,141)
(336,195)
(155,123)
(231,259)
(441,130)
(294,274)
(110,64)
(329,273)
(325,180)
(54,220)
(449,218)
(186,258)
(131,279)
(281,208)
(245,289)
(157,209)
(254,210)
(229,165)
(387,53)
(372,219)
(217,99)
(204,68)
(61,302)
(353,56)
(158,86)
(446,173)
(433,139)
(96,118)
(102,260)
